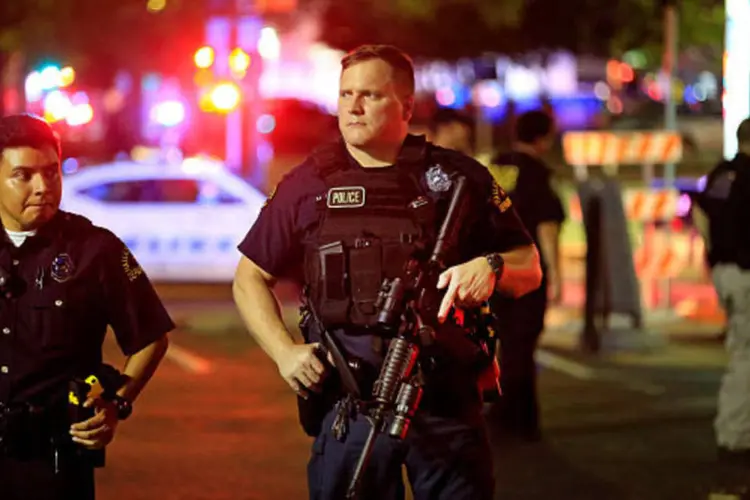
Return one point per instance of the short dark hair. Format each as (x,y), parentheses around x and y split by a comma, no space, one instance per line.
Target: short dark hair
(743,132)
(533,125)
(403,68)
(27,130)
(445,116)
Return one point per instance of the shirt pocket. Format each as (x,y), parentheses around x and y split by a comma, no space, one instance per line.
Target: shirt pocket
(59,317)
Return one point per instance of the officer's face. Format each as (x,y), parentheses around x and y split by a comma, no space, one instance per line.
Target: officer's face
(30,187)
(371,107)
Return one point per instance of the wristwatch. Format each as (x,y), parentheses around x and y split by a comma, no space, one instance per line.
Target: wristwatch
(124,407)
(497,263)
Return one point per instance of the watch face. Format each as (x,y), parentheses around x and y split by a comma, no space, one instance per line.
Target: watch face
(493,261)
(496,262)
(124,409)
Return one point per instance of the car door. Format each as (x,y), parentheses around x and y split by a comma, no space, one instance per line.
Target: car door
(221,215)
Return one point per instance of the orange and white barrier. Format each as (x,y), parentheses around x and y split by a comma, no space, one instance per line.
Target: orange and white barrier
(661,261)
(622,148)
(643,205)
(660,256)
(650,205)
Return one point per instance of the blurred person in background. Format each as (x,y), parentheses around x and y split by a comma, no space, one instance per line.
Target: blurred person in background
(722,215)
(524,175)
(63,281)
(451,129)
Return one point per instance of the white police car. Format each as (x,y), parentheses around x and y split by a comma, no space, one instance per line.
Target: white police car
(182,222)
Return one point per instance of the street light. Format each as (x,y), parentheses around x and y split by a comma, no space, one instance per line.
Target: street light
(225,97)
(239,62)
(204,57)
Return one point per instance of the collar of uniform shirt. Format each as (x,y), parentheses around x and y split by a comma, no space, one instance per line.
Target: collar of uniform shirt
(46,233)
(413,151)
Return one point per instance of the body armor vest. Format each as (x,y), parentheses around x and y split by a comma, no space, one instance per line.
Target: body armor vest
(372,222)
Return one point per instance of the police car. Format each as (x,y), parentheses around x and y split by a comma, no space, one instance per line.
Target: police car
(182,221)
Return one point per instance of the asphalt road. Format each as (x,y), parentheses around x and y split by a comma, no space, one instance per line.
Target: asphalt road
(218,423)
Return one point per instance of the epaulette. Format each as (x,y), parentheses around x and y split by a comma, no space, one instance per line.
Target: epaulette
(329,158)
(414,150)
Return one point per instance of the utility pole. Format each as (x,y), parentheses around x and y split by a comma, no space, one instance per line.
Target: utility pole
(671,54)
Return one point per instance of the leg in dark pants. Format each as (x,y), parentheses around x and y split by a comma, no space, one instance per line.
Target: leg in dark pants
(445,458)
(332,464)
(35,479)
(519,330)
(449,459)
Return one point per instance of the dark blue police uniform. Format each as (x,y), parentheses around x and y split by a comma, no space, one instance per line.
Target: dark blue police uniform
(527,180)
(338,229)
(59,291)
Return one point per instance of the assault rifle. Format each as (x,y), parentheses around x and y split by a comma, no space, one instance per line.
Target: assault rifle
(408,310)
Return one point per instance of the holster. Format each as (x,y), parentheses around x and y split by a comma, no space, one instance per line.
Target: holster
(29,432)
(313,410)
(78,393)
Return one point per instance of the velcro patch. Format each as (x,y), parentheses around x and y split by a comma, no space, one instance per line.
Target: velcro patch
(346,197)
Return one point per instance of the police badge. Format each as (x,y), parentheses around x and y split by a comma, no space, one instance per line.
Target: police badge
(437,180)
(62,268)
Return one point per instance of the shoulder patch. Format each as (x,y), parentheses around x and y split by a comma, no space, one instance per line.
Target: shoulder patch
(346,197)
(129,265)
(499,198)
(270,196)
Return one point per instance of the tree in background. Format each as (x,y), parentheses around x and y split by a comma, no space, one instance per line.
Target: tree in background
(453,28)
(97,37)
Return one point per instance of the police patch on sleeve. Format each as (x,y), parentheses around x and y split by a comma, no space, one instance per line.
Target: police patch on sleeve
(130,266)
(499,198)
(346,197)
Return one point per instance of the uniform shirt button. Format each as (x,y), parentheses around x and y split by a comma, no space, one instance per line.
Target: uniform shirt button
(6,330)
(4,369)
(58,303)
(15,262)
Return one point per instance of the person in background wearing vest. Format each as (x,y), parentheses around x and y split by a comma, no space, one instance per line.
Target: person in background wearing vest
(722,215)
(339,224)
(527,179)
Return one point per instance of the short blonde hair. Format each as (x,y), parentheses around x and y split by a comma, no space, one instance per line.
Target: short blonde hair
(403,68)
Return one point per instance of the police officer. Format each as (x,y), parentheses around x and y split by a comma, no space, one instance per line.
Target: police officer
(62,282)
(722,215)
(527,179)
(340,223)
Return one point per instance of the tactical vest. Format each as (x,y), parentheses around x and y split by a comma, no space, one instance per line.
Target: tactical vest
(372,222)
